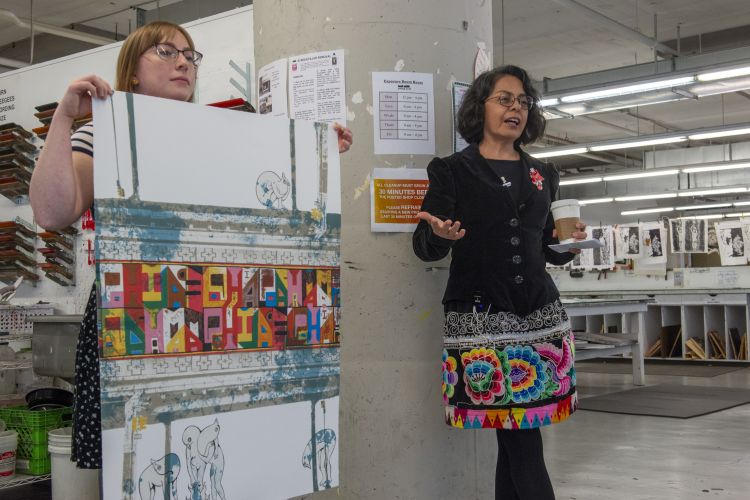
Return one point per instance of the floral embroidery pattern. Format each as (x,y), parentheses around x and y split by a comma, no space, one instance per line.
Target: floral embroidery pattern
(450,377)
(483,376)
(560,360)
(536,178)
(528,374)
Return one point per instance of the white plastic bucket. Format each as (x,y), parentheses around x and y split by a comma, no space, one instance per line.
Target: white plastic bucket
(69,482)
(8,445)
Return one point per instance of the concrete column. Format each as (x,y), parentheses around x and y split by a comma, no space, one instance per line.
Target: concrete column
(393,441)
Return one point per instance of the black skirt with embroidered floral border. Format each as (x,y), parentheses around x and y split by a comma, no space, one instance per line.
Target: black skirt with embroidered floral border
(504,371)
(87,418)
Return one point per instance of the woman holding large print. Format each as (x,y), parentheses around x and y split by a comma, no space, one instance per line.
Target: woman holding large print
(508,347)
(160,60)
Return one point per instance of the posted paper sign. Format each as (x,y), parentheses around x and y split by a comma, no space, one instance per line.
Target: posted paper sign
(316,87)
(396,196)
(272,89)
(404,117)
(459,89)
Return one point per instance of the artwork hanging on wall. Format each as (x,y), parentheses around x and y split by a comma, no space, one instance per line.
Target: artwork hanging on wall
(627,241)
(583,260)
(604,257)
(219,299)
(731,243)
(712,241)
(688,235)
(653,242)
(745,223)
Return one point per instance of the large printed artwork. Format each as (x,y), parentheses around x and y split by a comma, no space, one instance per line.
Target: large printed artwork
(218,238)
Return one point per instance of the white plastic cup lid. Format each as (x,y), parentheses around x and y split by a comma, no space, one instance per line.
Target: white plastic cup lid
(564,203)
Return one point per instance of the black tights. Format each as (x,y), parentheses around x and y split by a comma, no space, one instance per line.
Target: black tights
(521,473)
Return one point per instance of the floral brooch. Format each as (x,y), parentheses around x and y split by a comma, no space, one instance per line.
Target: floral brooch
(536,178)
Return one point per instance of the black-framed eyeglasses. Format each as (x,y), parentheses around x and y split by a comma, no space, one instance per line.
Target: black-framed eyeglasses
(507,100)
(169,52)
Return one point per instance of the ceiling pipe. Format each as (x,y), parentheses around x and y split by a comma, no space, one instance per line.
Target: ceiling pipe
(55,30)
(12,63)
(618,27)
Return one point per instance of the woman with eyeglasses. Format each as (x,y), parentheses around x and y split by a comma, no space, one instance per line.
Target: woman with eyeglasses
(159,60)
(508,348)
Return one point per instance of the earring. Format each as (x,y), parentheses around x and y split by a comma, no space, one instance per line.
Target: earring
(135,82)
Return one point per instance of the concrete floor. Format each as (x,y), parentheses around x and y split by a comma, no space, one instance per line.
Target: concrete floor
(606,456)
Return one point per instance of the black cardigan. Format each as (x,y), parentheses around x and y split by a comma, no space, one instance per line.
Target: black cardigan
(502,256)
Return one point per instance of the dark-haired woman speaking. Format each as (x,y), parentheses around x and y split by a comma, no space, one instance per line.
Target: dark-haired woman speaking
(508,348)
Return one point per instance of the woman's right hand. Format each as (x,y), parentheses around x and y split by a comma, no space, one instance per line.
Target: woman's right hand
(445,229)
(77,99)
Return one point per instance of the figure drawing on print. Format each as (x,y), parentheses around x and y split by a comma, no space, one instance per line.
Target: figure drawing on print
(272,189)
(161,474)
(712,241)
(677,235)
(656,243)
(603,257)
(630,241)
(318,454)
(695,235)
(325,442)
(202,450)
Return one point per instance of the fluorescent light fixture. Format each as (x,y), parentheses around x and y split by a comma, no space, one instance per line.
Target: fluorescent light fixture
(585,180)
(720,75)
(704,207)
(628,89)
(708,192)
(594,201)
(559,152)
(639,197)
(738,214)
(716,167)
(549,102)
(711,216)
(639,175)
(741,203)
(720,133)
(636,144)
(647,211)
(676,98)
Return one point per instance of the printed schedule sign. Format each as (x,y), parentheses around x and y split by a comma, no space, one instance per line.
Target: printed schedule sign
(404,120)
(396,196)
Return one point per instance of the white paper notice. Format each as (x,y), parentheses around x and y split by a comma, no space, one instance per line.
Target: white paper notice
(459,89)
(404,117)
(316,87)
(272,89)
(582,244)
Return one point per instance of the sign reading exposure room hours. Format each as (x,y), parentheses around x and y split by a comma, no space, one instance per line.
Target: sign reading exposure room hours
(404,120)
(396,197)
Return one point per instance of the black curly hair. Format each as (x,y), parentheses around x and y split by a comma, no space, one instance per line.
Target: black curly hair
(471,113)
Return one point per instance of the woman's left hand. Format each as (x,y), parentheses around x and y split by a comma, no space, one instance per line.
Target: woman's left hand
(579,235)
(345,137)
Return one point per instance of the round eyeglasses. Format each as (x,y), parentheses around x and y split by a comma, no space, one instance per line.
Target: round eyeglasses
(169,52)
(507,100)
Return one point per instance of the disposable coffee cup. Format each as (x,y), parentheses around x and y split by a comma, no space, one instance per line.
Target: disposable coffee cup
(567,213)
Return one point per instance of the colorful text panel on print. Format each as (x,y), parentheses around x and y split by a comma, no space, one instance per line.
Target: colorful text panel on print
(218,275)
(170,309)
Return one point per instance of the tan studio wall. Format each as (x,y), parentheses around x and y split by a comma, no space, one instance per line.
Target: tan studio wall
(393,442)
